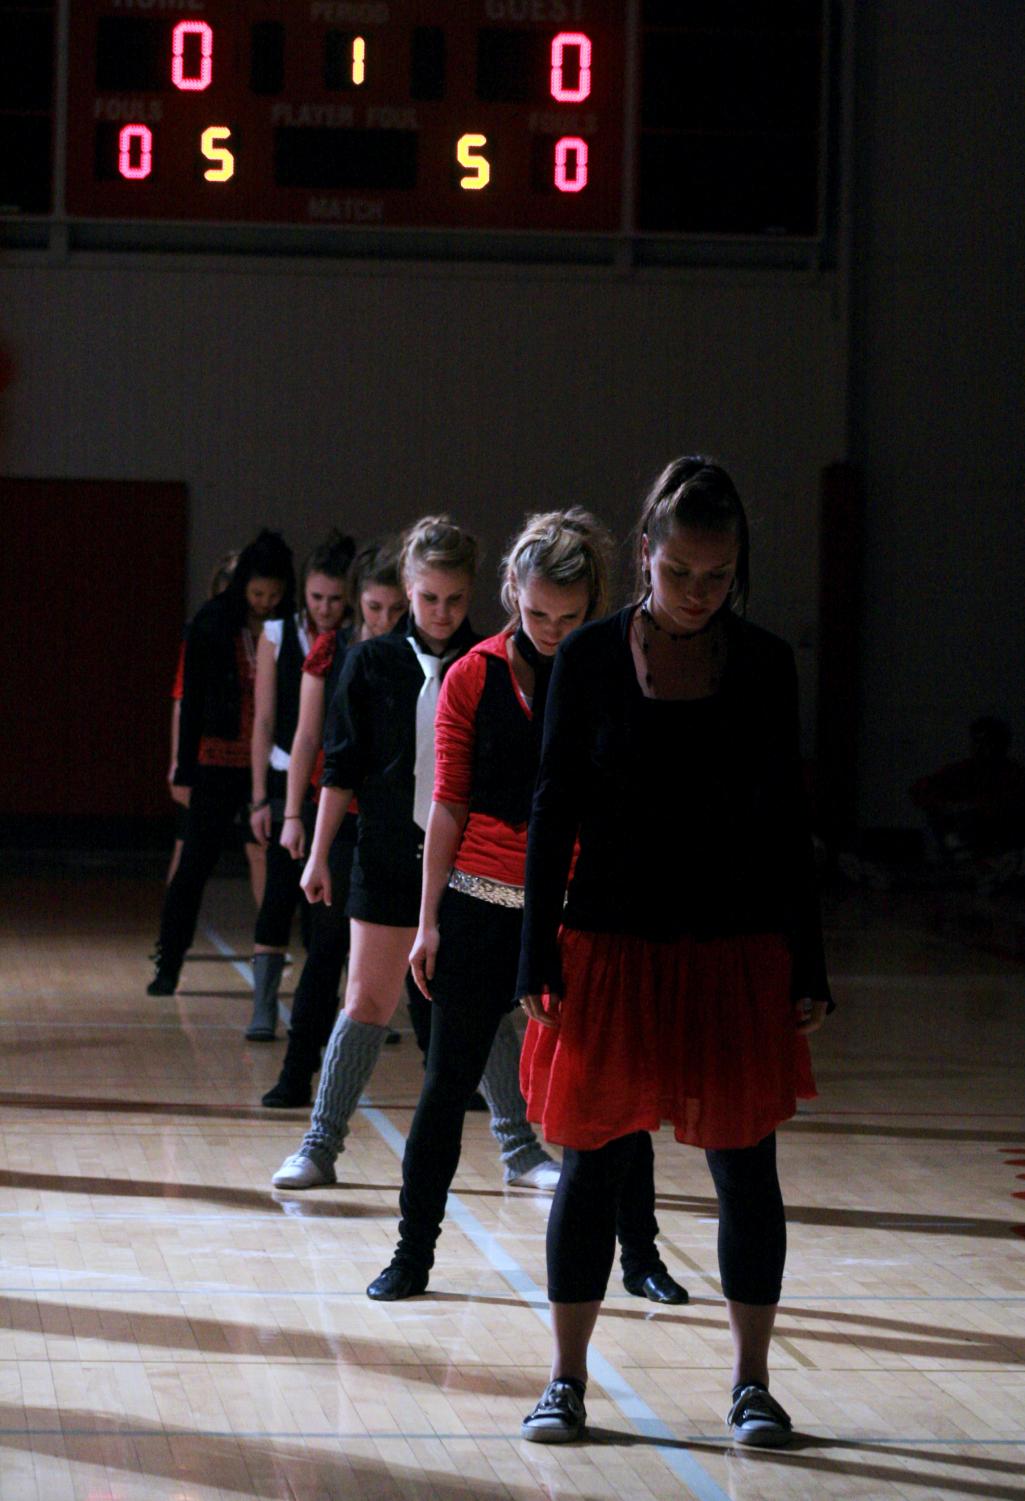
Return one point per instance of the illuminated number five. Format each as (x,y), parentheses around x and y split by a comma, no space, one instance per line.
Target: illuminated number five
(211,147)
(130,137)
(206,55)
(563,181)
(559,44)
(468,155)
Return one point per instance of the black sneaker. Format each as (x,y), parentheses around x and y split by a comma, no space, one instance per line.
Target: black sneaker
(559,1417)
(757,1419)
(396,1282)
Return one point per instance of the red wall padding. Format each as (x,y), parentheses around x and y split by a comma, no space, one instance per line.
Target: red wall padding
(92,578)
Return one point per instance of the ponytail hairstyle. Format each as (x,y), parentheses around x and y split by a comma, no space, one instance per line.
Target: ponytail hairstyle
(220,578)
(333,557)
(436,542)
(696,492)
(561,547)
(268,556)
(376,563)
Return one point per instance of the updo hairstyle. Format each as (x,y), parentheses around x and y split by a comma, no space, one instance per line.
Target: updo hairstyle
(561,547)
(696,492)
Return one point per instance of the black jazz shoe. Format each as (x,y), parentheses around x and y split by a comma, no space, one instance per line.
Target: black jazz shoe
(396,1282)
(658,1286)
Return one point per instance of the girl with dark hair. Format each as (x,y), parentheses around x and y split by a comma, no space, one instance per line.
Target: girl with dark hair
(378,604)
(465,955)
(678,981)
(215,731)
(283,648)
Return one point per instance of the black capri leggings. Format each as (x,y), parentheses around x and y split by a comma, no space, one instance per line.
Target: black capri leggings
(582,1225)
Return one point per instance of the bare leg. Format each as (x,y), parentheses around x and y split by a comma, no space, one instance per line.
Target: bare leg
(572,1325)
(257,858)
(378,960)
(751,1327)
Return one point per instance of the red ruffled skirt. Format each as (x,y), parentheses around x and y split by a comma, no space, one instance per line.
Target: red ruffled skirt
(698,1033)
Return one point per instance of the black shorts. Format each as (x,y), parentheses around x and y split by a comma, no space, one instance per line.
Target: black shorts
(385,885)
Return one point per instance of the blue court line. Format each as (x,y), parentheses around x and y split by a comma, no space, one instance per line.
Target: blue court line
(227,952)
(633,1407)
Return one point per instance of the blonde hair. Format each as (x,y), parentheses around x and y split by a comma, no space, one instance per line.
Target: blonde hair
(436,542)
(561,547)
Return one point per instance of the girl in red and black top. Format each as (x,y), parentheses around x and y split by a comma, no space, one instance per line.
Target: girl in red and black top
(215,731)
(378,605)
(283,649)
(467,946)
(673,974)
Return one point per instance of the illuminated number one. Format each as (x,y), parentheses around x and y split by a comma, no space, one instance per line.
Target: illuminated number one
(582,43)
(206,55)
(563,181)
(467,155)
(359,60)
(130,137)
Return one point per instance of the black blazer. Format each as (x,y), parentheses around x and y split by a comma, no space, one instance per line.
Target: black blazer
(691,817)
(372,748)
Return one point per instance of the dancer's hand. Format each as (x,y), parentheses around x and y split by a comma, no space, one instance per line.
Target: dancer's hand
(809,1014)
(259,822)
(538,1011)
(422,957)
(293,838)
(181,795)
(316,882)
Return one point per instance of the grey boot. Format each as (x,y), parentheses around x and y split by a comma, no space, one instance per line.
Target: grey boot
(267,970)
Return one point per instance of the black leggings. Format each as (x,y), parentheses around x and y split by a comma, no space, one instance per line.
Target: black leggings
(473,987)
(219,794)
(582,1224)
(315,1003)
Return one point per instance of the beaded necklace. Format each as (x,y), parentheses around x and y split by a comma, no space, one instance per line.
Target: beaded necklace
(711,632)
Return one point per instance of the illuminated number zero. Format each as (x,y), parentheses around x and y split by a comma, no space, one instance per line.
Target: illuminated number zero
(202,80)
(578,181)
(559,89)
(128,136)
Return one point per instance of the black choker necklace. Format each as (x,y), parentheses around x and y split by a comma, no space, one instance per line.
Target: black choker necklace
(529,652)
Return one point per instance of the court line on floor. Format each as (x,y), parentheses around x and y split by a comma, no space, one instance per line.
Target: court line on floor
(633,1407)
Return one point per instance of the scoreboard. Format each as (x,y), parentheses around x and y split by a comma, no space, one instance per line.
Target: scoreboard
(659,117)
(376,112)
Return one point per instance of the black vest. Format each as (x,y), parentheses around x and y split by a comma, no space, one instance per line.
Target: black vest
(289,676)
(505,751)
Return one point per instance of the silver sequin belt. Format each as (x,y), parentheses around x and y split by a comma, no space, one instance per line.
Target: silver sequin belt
(499,893)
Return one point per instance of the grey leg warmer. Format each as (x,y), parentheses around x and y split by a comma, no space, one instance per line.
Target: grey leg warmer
(349,1061)
(519,1148)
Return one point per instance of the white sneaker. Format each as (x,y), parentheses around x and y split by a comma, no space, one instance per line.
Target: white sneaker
(300,1171)
(541,1175)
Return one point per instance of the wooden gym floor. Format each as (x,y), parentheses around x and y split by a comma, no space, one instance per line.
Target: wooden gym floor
(170,1327)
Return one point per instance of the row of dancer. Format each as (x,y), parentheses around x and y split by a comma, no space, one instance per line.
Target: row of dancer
(663,935)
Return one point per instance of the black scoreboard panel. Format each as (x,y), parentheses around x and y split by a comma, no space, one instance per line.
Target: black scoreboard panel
(402,113)
(652,118)
(27,34)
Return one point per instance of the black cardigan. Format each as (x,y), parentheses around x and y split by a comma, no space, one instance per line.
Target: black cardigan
(212,695)
(372,748)
(714,840)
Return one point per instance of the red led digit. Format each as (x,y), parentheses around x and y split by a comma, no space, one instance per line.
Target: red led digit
(563,180)
(135,141)
(193,81)
(583,45)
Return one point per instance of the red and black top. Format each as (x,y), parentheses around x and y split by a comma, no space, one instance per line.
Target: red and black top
(486,757)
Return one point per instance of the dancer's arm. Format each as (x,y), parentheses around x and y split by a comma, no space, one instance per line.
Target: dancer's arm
(444,831)
(265,696)
(302,759)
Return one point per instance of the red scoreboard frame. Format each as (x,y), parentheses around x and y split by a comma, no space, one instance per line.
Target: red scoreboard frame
(458,114)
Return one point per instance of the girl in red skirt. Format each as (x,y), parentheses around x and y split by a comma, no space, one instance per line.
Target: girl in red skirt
(680,978)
